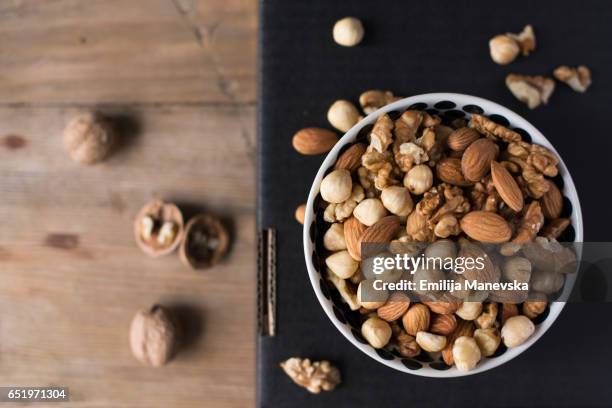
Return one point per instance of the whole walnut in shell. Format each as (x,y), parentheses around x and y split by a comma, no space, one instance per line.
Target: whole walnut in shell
(88,138)
(153,336)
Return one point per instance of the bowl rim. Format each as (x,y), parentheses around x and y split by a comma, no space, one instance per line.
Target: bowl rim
(489,108)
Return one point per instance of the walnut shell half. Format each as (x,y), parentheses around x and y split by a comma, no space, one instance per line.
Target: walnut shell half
(158,228)
(206,241)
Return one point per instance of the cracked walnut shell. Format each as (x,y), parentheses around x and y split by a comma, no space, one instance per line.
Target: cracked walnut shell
(314,376)
(206,242)
(158,228)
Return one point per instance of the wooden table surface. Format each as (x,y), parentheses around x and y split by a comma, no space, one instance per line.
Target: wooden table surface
(178,80)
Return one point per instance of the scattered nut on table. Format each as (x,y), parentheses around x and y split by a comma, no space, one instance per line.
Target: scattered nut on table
(158,228)
(300,213)
(153,336)
(348,31)
(315,376)
(205,243)
(343,115)
(579,78)
(504,48)
(88,138)
(531,90)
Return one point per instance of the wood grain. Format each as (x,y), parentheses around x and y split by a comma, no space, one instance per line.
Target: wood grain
(177,81)
(67,51)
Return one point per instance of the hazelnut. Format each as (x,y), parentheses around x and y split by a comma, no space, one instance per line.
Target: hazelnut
(333,240)
(343,115)
(348,32)
(469,310)
(88,138)
(430,342)
(516,268)
(466,353)
(342,264)
(416,319)
(337,186)
(376,331)
(488,340)
(158,228)
(419,179)
(206,242)
(397,200)
(517,330)
(503,49)
(369,297)
(370,211)
(153,336)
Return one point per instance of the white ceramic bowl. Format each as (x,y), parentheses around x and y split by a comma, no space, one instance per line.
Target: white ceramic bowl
(448,105)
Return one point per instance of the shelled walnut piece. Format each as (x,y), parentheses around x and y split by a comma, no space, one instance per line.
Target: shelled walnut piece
(579,78)
(531,90)
(205,243)
(158,228)
(315,376)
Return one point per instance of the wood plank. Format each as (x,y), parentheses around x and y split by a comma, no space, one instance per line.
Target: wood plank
(67,308)
(137,51)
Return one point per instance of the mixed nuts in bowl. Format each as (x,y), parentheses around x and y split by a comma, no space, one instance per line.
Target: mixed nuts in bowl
(454,174)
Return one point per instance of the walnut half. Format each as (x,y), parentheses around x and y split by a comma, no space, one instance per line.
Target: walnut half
(314,376)
(531,90)
(579,78)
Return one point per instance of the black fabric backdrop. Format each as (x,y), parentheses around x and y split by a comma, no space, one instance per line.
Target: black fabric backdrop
(411,48)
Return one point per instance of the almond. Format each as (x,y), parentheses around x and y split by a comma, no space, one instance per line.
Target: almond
(443,324)
(443,307)
(506,186)
(350,159)
(485,226)
(416,319)
(395,307)
(461,138)
(449,171)
(353,230)
(552,202)
(476,161)
(312,141)
(383,231)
